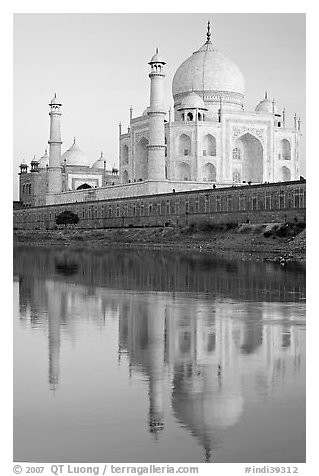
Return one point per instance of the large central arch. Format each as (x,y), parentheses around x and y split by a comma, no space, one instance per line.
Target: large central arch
(251,155)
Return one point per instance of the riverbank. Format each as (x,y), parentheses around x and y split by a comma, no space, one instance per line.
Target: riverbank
(272,242)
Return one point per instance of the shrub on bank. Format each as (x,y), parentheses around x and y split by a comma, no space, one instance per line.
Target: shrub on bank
(206,226)
(286,230)
(67,218)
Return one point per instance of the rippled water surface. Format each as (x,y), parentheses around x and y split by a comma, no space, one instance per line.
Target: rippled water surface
(128,356)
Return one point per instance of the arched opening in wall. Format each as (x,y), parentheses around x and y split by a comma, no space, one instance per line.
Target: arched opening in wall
(184,171)
(209,145)
(199,116)
(252,157)
(166,171)
(209,173)
(183,117)
(125,176)
(166,146)
(125,154)
(83,186)
(23,188)
(190,116)
(184,145)
(285,149)
(285,174)
(141,159)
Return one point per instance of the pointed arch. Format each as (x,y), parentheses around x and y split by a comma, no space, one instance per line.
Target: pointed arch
(284,150)
(125,177)
(83,186)
(285,174)
(209,173)
(125,154)
(251,156)
(184,171)
(141,159)
(209,145)
(184,145)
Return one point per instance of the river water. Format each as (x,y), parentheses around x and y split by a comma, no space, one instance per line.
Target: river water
(149,356)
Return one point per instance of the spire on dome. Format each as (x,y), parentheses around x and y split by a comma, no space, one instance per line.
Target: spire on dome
(266,95)
(208,34)
(73,140)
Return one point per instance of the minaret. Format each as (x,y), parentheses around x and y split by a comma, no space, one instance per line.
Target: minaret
(156,147)
(55,170)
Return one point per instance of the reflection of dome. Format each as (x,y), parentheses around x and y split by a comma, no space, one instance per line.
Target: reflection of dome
(44,161)
(207,408)
(193,101)
(266,106)
(207,71)
(99,164)
(75,156)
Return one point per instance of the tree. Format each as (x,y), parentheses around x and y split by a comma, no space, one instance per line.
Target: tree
(67,218)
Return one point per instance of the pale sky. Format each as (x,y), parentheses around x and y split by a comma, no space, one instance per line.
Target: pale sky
(97,65)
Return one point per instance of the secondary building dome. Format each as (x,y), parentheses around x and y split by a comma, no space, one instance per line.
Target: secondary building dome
(99,164)
(75,156)
(211,74)
(266,106)
(193,101)
(44,160)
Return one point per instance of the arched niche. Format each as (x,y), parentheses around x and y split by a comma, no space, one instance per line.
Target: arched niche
(184,145)
(184,171)
(209,145)
(125,176)
(125,154)
(284,149)
(141,159)
(209,173)
(83,186)
(285,174)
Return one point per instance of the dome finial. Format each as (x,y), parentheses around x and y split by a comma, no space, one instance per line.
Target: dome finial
(266,95)
(156,49)
(208,34)
(73,140)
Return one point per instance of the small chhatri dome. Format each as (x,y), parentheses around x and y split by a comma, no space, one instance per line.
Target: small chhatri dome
(145,112)
(55,101)
(99,163)
(44,160)
(193,101)
(208,71)
(157,58)
(266,106)
(75,156)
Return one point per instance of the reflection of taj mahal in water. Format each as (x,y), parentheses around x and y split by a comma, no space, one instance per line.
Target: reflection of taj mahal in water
(197,346)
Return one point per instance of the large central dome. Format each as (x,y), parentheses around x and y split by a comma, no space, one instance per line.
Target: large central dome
(211,75)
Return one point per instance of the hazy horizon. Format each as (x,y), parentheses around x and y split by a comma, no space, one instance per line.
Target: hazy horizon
(98,66)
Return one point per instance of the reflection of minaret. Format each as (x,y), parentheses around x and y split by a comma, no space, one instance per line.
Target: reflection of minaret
(156,367)
(142,335)
(54,320)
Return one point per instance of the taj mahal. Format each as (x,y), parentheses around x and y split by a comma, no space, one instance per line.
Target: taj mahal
(207,140)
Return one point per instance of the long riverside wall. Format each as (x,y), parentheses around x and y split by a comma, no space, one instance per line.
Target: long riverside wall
(264,203)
